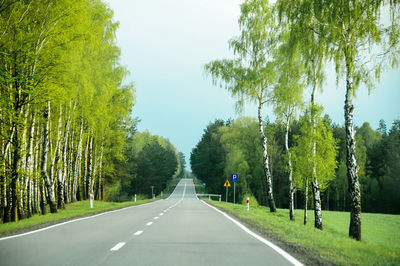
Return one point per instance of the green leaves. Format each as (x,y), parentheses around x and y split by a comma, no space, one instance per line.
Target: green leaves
(325,156)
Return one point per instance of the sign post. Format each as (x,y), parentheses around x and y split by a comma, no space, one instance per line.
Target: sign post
(227,184)
(234,179)
(248,204)
(91,200)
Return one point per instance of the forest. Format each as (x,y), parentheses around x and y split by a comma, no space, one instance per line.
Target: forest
(228,147)
(66,126)
(280,59)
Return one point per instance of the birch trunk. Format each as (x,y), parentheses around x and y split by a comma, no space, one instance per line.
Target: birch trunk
(14,176)
(42,197)
(317,205)
(3,201)
(62,171)
(77,168)
(314,183)
(37,179)
(85,181)
(100,169)
(267,173)
(30,163)
(70,171)
(65,152)
(56,165)
(305,201)
(291,201)
(90,175)
(45,175)
(351,163)
(24,177)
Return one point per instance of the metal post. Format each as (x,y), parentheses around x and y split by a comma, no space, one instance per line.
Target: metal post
(234,192)
(152,189)
(226,197)
(135,197)
(219,198)
(209,197)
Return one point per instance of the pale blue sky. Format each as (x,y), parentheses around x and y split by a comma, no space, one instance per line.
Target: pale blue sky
(165,44)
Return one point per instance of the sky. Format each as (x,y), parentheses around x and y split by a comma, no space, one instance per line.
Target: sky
(165,45)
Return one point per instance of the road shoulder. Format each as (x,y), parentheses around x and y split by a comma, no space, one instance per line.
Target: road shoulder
(305,256)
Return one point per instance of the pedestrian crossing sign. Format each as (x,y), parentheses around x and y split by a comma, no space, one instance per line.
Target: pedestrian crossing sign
(227,184)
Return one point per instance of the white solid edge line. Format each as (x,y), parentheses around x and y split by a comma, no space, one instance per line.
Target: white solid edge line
(72,221)
(263,240)
(138,233)
(118,246)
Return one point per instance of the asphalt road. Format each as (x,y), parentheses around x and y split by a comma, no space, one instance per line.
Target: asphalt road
(180,230)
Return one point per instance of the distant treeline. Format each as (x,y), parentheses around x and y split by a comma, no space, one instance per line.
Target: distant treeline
(228,147)
(150,161)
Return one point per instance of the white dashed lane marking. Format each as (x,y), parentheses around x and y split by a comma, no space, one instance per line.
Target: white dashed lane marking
(149,223)
(118,246)
(138,233)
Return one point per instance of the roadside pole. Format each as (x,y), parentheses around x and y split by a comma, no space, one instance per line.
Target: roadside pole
(91,201)
(234,179)
(227,184)
(234,193)
(248,204)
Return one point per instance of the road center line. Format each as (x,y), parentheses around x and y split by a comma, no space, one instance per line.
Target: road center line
(149,223)
(155,218)
(118,246)
(138,233)
(161,214)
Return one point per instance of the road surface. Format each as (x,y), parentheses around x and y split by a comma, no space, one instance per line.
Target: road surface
(180,230)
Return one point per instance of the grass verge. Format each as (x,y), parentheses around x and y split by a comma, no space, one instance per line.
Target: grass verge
(73,210)
(380,243)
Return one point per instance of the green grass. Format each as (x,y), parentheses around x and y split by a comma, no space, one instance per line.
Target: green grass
(78,209)
(380,243)
(71,210)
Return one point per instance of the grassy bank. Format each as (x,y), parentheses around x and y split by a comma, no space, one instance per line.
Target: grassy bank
(380,243)
(75,210)
(72,210)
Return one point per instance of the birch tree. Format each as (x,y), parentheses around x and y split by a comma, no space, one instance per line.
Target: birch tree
(250,76)
(361,44)
(59,82)
(287,100)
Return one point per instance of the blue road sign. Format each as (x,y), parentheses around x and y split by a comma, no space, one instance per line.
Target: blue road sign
(234,178)
(204,184)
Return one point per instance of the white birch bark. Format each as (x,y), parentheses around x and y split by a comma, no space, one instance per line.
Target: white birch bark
(291,192)
(45,175)
(314,183)
(352,175)
(268,178)
(77,167)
